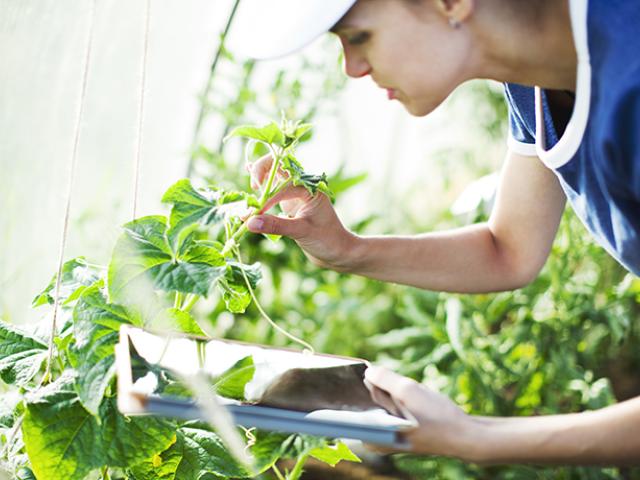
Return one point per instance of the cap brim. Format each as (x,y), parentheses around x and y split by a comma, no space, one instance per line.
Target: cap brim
(264,29)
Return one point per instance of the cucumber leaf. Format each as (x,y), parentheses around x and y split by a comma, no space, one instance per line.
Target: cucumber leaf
(270,133)
(10,405)
(96,326)
(234,288)
(183,322)
(334,454)
(267,449)
(236,296)
(232,382)
(199,207)
(77,275)
(190,208)
(21,355)
(142,255)
(253,273)
(313,183)
(63,440)
(25,473)
(195,454)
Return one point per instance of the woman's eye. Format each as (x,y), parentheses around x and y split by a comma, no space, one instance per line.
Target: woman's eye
(358,38)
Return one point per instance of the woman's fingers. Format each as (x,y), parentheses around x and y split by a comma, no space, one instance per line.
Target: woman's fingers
(399,387)
(289,227)
(290,197)
(382,398)
(259,171)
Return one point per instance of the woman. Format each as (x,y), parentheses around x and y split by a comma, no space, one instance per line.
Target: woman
(572,80)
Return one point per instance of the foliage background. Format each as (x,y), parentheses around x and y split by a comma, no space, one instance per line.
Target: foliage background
(565,343)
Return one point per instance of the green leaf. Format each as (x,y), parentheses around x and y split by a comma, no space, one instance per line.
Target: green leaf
(234,288)
(334,454)
(25,473)
(191,207)
(301,130)
(313,183)
(226,197)
(77,274)
(21,355)
(64,441)
(199,207)
(96,326)
(231,383)
(203,252)
(267,449)
(298,445)
(270,133)
(183,322)
(195,454)
(293,131)
(236,297)
(9,408)
(253,273)
(142,256)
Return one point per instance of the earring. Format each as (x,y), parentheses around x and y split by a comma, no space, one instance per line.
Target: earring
(454,23)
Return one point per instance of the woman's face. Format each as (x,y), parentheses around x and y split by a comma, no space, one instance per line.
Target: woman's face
(411,51)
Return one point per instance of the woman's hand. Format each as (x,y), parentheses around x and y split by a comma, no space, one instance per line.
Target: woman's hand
(608,436)
(312,222)
(442,426)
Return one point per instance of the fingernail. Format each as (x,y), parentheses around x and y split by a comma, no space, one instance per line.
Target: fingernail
(255,223)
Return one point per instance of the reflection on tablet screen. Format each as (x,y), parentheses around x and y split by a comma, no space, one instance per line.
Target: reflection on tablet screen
(250,373)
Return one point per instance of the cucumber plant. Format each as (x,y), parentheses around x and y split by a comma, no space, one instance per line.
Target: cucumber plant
(65,424)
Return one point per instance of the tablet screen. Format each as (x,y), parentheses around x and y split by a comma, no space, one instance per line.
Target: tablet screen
(249,373)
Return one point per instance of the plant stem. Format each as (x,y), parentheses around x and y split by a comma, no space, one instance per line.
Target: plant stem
(191,301)
(60,363)
(272,175)
(242,229)
(231,243)
(264,314)
(276,470)
(105,473)
(177,303)
(296,473)
(201,353)
(280,187)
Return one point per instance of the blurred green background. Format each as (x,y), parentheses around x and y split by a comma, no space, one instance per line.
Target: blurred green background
(566,343)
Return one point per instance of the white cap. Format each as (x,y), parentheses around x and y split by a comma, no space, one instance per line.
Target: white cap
(265,29)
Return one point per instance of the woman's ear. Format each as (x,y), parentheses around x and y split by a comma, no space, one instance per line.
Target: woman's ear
(455,11)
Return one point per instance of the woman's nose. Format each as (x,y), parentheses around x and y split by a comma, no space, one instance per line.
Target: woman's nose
(355,65)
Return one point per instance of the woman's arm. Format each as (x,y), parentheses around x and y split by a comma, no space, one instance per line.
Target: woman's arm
(609,436)
(504,253)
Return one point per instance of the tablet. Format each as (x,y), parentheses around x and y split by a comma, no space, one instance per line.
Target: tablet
(280,389)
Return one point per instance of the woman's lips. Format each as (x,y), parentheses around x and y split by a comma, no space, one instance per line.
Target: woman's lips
(391,93)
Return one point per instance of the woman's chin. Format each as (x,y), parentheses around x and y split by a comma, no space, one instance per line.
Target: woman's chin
(417,108)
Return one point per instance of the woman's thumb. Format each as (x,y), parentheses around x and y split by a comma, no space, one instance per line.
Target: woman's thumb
(288,227)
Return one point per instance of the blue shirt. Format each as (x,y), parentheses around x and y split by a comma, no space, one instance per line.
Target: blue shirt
(597,157)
